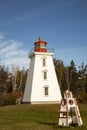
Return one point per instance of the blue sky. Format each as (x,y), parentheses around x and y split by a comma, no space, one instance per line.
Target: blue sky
(61,23)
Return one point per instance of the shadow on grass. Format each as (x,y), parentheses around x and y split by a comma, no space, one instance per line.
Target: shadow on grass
(51,124)
(48,123)
(56,126)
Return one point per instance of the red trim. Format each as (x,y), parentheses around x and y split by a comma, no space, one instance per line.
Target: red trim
(41,50)
(39,41)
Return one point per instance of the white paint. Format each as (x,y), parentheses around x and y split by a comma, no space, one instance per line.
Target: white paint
(34,90)
(69,111)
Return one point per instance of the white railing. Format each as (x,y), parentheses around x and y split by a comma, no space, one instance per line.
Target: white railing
(48,50)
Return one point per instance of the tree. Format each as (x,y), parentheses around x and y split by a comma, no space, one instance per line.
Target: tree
(61,75)
(82,76)
(19,78)
(3,78)
(72,77)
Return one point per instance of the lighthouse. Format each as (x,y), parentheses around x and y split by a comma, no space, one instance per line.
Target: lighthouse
(42,85)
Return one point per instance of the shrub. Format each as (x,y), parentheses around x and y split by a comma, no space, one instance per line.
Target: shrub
(82,98)
(10,99)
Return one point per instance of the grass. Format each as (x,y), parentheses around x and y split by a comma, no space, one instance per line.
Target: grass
(35,117)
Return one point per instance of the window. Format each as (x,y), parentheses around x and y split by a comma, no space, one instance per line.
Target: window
(46,91)
(45,75)
(44,62)
(37,45)
(42,45)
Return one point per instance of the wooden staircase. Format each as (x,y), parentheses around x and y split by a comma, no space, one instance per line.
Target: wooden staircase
(69,111)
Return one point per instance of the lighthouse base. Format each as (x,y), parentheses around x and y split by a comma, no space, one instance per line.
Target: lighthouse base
(42,102)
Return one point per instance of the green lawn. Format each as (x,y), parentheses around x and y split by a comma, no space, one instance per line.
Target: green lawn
(35,117)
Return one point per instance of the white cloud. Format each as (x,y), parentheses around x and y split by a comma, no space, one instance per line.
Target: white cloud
(17,61)
(12,52)
(15,53)
(2,44)
(1,36)
(10,47)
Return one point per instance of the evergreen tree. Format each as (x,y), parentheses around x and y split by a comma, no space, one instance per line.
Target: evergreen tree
(61,74)
(72,77)
(3,78)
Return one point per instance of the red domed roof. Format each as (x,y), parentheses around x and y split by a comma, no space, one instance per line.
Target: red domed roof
(40,41)
(40,45)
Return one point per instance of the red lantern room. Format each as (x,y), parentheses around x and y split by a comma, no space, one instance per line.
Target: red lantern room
(40,46)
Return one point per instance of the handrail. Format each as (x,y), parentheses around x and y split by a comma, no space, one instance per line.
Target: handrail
(48,50)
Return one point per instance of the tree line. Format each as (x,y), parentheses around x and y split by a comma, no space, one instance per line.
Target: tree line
(72,78)
(12,83)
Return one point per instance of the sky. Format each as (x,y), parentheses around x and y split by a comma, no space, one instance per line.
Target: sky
(61,23)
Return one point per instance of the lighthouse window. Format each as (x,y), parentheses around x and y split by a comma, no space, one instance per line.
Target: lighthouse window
(44,62)
(46,91)
(42,46)
(38,46)
(45,75)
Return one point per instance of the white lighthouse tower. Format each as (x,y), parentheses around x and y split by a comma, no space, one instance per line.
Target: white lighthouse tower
(42,85)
